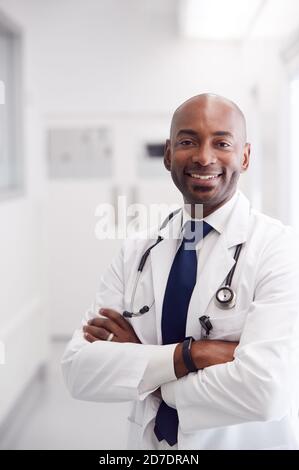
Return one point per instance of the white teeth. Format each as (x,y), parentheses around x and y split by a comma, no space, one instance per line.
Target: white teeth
(203,177)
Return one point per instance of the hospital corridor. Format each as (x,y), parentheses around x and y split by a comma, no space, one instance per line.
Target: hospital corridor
(89,157)
(48,420)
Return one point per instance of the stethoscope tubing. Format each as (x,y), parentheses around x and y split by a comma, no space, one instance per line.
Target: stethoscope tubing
(146,254)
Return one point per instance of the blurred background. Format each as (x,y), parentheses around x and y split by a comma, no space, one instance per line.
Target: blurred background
(87,90)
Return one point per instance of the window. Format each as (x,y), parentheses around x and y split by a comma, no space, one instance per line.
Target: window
(294,149)
(11,167)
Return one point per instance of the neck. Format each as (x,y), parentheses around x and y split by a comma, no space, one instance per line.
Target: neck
(201,210)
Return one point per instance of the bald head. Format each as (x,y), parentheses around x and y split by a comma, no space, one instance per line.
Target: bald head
(207,150)
(210,104)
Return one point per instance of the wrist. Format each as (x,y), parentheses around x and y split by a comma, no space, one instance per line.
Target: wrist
(180,368)
(187,356)
(201,353)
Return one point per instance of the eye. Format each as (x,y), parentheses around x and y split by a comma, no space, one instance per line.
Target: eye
(223,144)
(185,142)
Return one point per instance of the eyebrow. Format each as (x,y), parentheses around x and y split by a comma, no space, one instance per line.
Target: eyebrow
(223,133)
(187,131)
(216,134)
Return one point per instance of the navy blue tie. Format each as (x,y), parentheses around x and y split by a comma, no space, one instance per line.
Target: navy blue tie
(180,285)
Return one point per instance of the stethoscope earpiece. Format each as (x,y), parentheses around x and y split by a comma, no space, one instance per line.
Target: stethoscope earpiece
(127,314)
(142,311)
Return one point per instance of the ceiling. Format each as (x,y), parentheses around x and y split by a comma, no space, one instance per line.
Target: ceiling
(238,19)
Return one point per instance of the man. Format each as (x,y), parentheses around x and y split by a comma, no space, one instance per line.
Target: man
(234,386)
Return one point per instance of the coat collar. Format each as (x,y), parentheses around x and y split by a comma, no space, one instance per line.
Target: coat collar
(236,224)
(236,228)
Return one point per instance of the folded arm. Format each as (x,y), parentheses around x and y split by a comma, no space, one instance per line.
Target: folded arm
(159,370)
(119,370)
(95,369)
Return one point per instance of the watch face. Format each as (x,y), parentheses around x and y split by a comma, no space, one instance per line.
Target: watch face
(224,295)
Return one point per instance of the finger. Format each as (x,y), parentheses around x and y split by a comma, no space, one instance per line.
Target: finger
(114,316)
(99,333)
(90,338)
(107,324)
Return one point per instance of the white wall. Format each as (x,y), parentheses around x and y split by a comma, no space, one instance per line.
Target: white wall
(22,307)
(266,73)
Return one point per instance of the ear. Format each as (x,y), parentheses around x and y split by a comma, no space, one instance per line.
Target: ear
(246,157)
(167,155)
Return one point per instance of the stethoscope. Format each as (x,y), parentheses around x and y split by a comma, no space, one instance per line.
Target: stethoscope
(225,296)
(144,257)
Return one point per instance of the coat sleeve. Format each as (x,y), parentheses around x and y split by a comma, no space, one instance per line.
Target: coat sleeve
(107,371)
(261,384)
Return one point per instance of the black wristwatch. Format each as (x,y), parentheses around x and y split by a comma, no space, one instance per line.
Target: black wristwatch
(187,354)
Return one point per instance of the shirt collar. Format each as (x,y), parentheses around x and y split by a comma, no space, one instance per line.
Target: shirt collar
(217,219)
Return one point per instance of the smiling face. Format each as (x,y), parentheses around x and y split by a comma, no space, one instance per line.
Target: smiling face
(207,150)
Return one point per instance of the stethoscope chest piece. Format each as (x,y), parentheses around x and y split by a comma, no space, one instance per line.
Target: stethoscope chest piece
(225,297)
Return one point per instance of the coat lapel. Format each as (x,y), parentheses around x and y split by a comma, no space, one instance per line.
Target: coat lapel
(161,260)
(219,263)
(209,280)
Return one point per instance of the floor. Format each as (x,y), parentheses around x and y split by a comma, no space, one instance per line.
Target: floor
(59,422)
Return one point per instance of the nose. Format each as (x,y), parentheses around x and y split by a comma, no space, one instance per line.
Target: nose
(204,155)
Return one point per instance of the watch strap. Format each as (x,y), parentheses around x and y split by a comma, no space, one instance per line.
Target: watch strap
(187,358)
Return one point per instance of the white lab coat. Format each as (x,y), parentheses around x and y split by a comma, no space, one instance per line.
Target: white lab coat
(250,403)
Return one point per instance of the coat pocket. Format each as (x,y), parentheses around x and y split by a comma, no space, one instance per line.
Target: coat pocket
(227,326)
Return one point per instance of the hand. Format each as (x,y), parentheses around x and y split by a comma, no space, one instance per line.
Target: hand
(98,329)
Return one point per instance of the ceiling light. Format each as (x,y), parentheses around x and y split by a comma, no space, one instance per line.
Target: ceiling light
(218,19)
